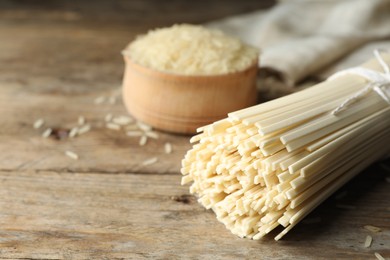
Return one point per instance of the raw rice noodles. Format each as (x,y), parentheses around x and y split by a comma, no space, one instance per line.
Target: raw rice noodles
(270,165)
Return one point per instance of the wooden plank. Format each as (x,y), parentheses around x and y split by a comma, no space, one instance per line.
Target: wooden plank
(100,150)
(55,216)
(55,59)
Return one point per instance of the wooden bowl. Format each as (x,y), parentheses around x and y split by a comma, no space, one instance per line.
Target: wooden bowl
(182,103)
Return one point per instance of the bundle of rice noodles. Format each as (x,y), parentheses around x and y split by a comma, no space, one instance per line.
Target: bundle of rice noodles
(273,163)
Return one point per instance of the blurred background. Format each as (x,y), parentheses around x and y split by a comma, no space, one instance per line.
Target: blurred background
(86,37)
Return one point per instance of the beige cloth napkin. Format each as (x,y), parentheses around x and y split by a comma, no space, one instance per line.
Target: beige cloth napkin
(301,38)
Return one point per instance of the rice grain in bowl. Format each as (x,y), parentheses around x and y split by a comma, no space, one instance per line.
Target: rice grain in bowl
(183,77)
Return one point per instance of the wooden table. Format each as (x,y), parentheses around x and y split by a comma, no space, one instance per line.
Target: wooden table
(56,57)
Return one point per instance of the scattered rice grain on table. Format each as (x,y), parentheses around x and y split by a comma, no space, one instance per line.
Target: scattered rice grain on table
(132,127)
(143,126)
(143,140)
(372,228)
(378,256)
(84,129)
(151,134)
(47,133)
(368,241)
(122,120)
(38,123)
(81,120)
(113,126)
(150,161)
(72,155)
(168,148)
(73,132)
(135,129)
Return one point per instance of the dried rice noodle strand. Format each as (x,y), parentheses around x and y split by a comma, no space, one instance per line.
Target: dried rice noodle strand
(273,163)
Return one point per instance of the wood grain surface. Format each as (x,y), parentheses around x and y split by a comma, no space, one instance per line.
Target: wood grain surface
(56,58)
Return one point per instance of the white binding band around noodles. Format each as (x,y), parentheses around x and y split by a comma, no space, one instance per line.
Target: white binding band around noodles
(270,165)
(378,82)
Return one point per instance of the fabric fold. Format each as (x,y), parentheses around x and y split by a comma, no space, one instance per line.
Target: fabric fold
(301,37)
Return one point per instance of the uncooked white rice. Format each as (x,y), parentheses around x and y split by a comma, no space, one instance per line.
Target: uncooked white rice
(122,120)
(372,228)
(378,256)
(143,126)
(152,134)
(191,50)
(168,148)
(134,133)
(143,140)
(81,120)
(72,155)
(73,132)
(38,123)
(99,100)
(84,129)
(47,133)
(132,127)
(150,161)
(113,126)
(368,241)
